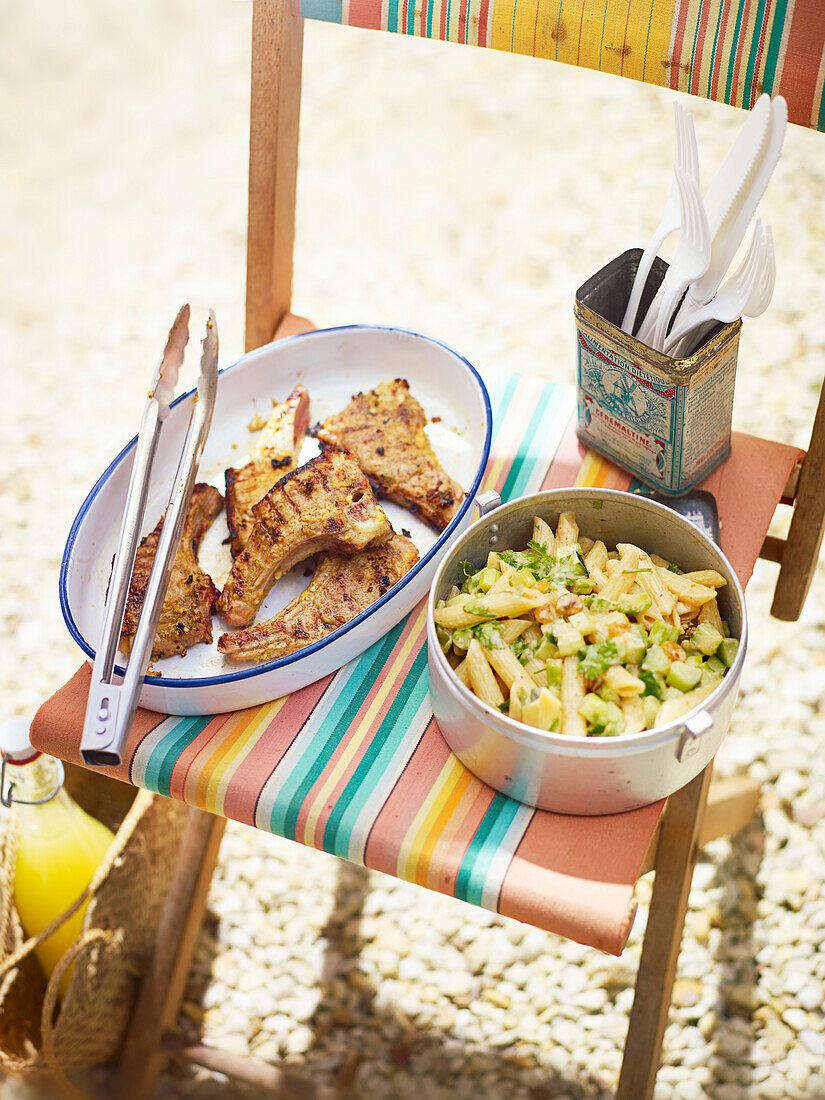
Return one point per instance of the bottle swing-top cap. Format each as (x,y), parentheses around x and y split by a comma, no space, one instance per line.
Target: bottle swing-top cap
(14,740)
(16,749)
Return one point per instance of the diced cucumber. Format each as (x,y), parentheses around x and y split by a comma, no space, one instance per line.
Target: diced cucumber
(553,669)
(694,659)
(582,622)
(634,603)
(487,579)
(661,632)
(608,694)
(727,651)
(631,647)
(603,719)
(462,638)
(706,639)
(656,660)
(546,648)
(710,676)
(445,638)
(651,707)
(525,577)
(683,676)
(713,664)
(568,638)
(601,606)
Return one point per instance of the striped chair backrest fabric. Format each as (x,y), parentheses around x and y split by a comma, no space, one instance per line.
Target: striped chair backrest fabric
(725,50)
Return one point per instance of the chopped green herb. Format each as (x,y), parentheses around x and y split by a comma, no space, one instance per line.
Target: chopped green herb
(595,660)
(598,505)
(504,707)
(489,635)
(465,570)
(627,572)
(651,683)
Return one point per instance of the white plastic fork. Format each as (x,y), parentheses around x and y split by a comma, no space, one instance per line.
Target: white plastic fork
(757,303)
(686,158)
(691,258)
(733,296)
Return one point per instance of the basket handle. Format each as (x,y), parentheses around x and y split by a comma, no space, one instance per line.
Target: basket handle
(70,1091)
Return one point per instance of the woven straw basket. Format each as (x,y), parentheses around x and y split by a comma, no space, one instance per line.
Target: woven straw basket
(40,1037)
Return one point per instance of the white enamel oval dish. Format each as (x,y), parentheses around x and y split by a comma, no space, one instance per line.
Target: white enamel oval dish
(332,364)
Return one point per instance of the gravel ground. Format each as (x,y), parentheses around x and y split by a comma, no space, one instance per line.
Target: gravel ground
(124,130)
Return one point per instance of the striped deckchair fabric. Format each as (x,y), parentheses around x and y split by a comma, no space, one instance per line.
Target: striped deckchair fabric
(726,50)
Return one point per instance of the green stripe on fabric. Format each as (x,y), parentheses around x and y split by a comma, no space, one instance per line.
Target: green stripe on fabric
(820,124)
(483,848)
(754,53)
(164,756)
(775,44)
(695,40)
(647,39)
(713,51)
(545,429)
(504,388)
(409,696)
(307,769)
(740,15)
(327,11)
(430,6)
(526,453)
(410,16)
(392,16)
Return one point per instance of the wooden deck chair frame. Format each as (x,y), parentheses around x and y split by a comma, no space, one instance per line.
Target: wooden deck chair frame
(693,816)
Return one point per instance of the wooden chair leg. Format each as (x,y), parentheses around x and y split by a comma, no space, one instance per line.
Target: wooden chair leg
(277,53)
(675,858)
(177,935)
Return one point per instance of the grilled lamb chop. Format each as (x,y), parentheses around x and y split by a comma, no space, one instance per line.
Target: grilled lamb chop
(340,589)
(326,505)
(384,429)
(274,454)
(186,615)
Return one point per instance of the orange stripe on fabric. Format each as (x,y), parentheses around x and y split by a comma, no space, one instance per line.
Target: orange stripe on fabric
(336,774)
(444,804)
(225,753)
(452,844)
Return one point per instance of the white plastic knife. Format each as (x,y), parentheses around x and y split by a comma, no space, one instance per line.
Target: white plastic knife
(735,221)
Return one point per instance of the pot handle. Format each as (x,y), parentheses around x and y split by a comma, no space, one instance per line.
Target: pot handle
(695,726)
(487,502)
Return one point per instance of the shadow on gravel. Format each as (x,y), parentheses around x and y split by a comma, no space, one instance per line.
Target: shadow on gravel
(736,967)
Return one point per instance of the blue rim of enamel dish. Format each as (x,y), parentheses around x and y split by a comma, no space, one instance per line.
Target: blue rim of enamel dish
(281,662)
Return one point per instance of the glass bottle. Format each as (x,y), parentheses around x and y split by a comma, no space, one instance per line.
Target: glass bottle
(59,846)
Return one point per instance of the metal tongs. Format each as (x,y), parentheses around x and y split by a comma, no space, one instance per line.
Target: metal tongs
(113,698)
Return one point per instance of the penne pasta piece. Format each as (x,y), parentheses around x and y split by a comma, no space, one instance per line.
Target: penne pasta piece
(648,577)
(567,530)
(462,671)
(513,628)
(676,708)
(709,613)
(686,590)
(596,557)
(504,662)
(660,562)
(517,694)
(622,575)
(537,672)
(543,535)
(482,680)
(532,634)
(634,713)
(708,577)
(503,582)
(572,693)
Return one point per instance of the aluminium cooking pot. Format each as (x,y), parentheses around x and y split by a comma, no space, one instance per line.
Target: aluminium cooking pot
(584,775)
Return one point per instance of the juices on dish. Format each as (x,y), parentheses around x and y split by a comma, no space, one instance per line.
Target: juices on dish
(59,846)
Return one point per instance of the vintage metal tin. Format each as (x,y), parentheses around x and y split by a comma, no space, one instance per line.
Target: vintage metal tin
(667,421)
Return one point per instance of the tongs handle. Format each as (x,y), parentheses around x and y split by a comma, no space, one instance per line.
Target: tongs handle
(111,706)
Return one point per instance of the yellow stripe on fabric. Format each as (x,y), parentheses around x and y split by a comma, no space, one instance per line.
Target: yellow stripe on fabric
(631,37)
(593,471)
(221,765)
(440,791)
(358,734)
(439,824)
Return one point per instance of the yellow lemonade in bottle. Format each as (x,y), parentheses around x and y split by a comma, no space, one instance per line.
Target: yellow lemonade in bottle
(59,846)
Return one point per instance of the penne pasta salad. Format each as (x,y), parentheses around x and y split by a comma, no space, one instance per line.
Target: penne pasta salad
(570,636)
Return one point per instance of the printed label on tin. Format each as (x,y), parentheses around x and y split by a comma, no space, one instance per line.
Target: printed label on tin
(667,434)
(628,410)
